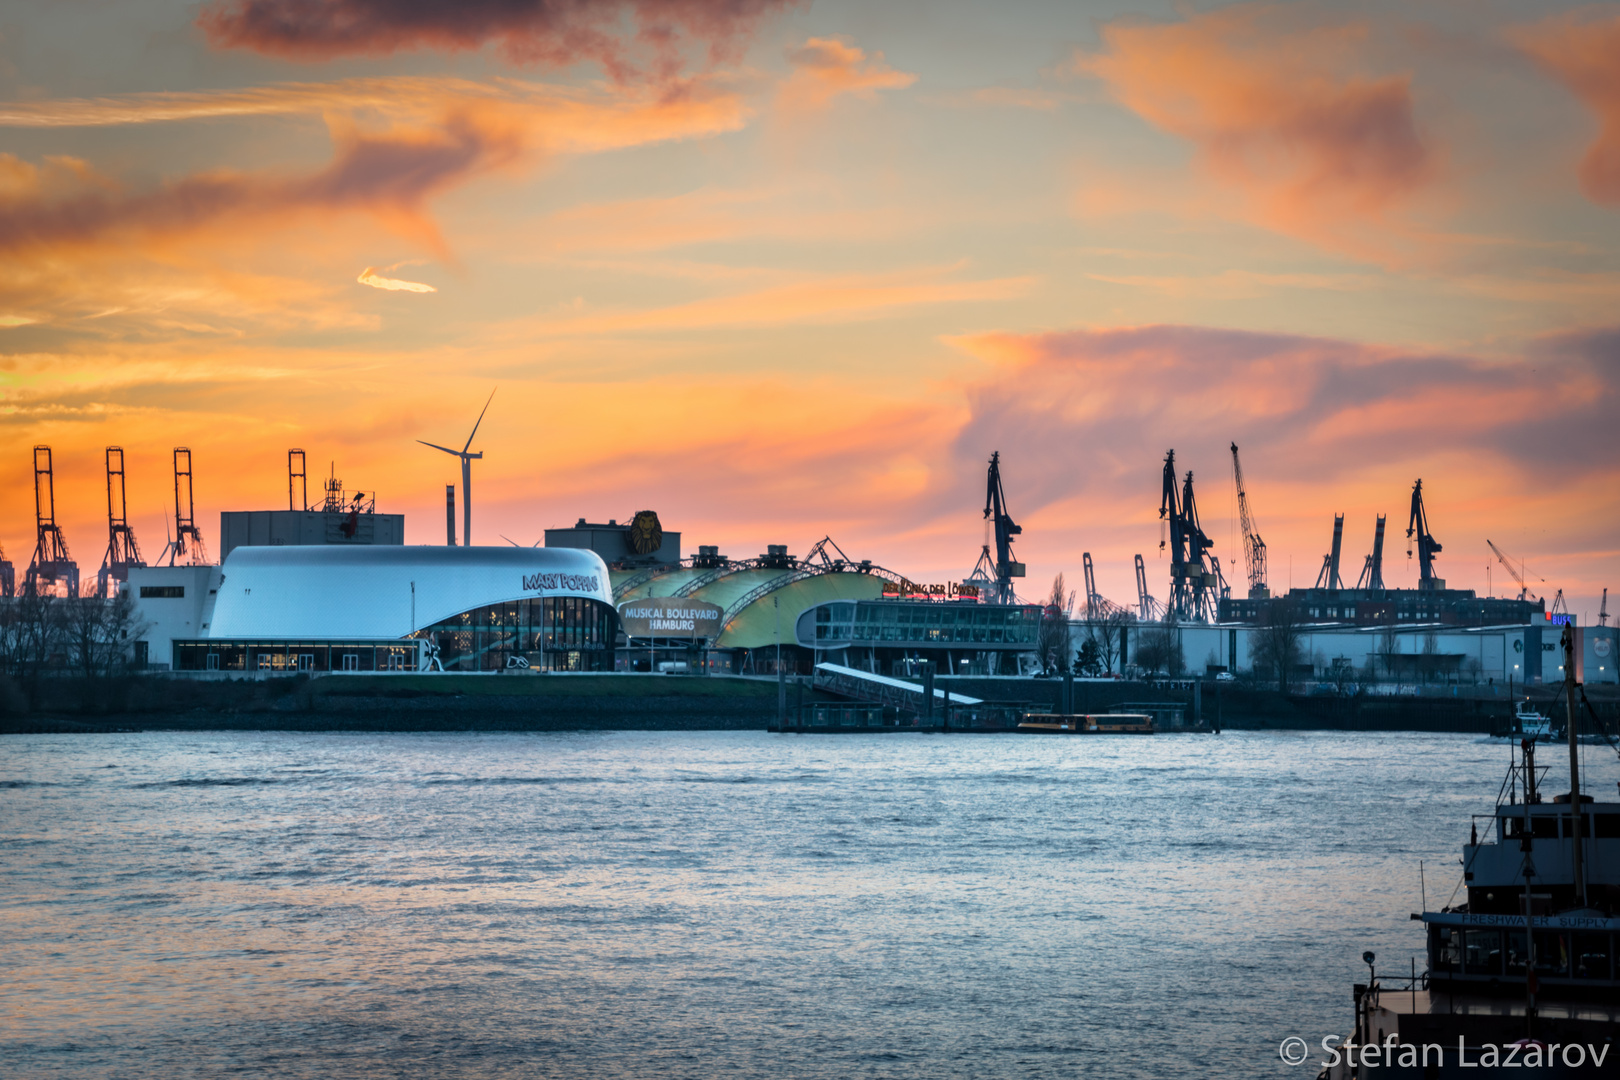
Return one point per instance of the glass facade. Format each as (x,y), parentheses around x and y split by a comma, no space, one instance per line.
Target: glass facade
(286,657)
(900,623)
(553,633)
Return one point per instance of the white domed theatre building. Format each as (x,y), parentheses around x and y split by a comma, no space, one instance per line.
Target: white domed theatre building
(381,608)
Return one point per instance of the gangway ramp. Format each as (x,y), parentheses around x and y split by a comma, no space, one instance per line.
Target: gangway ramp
(865,686)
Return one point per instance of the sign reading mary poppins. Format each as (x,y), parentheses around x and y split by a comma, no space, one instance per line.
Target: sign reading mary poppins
(670,617)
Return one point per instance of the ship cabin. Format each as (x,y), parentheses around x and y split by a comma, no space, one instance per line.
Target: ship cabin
(1480,947)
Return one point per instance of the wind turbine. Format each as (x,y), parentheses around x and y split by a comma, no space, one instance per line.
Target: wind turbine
(466,472)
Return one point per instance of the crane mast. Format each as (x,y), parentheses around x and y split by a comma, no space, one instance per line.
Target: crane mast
(51,563)
(1372,572)
(1145,604)
(1329,577)
(1427,546)
(995,510)
(1254,548)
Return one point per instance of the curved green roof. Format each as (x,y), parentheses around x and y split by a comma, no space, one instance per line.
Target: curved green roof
(755,626)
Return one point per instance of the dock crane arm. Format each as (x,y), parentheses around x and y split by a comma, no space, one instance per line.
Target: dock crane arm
(1524,590)
(1427,546)
(1254,548)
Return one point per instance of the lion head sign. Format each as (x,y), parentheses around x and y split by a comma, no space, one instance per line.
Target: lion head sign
(645,535)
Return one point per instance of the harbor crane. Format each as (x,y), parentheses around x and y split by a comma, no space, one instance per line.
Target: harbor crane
(297,481)
(1146,606)
(1372,571)
(1427,546)
(1254,548)
(995,511)
(1195,586)
(8,576)
(188,541)
(122,550)
(1516,575)
(1094,606)
(1329,577)
(51,563)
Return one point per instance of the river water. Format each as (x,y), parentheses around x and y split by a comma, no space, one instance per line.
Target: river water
(713,904)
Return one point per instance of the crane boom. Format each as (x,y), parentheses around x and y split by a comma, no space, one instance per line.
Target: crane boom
(1254,548)
(1524,589)
(1372,571)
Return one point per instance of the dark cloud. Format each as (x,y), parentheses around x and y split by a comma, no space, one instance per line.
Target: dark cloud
(550,32)
(391,174)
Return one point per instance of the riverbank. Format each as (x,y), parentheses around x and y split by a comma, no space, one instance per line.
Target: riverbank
(651,702)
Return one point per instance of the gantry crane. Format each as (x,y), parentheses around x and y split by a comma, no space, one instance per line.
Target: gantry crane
(51,563)
(1372,571)
(1254,548)
(1516,575)
(122,550)
(1329,577)
(187,540)
(8,576)
(1195,587)
(1427,546)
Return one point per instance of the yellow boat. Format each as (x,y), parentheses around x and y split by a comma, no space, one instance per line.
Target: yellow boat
(1087,724)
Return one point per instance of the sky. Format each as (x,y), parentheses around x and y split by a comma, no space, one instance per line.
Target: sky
(780,270)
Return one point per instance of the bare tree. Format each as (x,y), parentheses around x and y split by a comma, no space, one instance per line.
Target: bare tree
(1053,642)
(1277,645)
(99,634)
(1107,632)
(1158,650)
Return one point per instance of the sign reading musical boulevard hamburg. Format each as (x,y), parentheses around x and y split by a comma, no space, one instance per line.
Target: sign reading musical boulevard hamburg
(670,617)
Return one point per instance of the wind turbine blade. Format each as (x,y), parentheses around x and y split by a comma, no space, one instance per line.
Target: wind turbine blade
(481,413)
(509,540)
(436,446)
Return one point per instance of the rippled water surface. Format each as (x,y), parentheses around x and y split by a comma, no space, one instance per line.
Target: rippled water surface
(711,904)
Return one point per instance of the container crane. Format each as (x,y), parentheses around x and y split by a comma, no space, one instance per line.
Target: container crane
(1254,548)
(122,550)
(51,562)
(1516,575)
(1427,546)
(1329,577)
(8,576)
(1372,571)
(187,540)
(995,510)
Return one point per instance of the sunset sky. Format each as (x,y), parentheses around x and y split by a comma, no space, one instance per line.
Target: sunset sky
(780,270)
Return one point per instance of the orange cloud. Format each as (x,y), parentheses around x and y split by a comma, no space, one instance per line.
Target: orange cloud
(552,32)
(1583,53)
(370,276)
(1279,116)
(824,299)
(82,244)
(826,68)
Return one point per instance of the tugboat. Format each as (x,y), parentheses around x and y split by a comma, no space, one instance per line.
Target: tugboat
(1494,998)
(1529,724)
